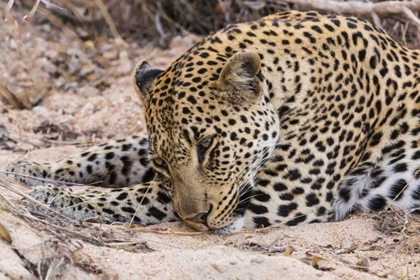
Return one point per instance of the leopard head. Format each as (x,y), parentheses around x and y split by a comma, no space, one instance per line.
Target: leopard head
(211,126)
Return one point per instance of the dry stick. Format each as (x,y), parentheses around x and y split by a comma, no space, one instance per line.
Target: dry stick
(45,180)
(406,220)
(29,64)
(362,8)
(47,224)
(82,234)
(26,141)
(141,203)
(70,6)
(389,206)
(158,24)
(11,98)
(382,9)
(32,12)
(58,22)
(9,184)
(104,10)
(7,9)
(167,231)
(52,228)
(30,216)
(177,25)
(69,143)
(409,13)
(72,143)
(39,86)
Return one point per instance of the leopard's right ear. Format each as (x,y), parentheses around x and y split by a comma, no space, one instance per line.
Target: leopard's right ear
(144,76)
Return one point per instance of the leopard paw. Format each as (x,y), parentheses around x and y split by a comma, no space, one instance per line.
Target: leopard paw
(45,194)
(55,197)
(28,173)
(61,200)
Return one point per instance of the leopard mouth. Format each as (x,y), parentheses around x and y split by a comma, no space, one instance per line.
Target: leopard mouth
(233,226)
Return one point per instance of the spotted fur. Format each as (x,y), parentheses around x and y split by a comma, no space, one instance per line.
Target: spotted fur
(295,118)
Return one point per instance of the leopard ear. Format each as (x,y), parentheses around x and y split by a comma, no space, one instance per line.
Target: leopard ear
(144,75)
(241,79)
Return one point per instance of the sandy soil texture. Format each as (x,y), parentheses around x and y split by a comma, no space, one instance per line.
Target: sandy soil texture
(85,101)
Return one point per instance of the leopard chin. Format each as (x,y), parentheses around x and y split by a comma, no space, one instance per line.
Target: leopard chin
(233,227)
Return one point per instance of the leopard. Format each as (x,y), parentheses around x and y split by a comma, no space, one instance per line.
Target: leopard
(295,118)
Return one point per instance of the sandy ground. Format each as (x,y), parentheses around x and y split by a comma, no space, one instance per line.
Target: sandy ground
(74,113)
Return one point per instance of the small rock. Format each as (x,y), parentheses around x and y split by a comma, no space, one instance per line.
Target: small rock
(110,55)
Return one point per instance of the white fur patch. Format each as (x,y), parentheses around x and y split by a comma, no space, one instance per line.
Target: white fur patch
(234,227)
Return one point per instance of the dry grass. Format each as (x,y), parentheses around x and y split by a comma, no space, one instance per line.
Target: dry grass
(62,245)
(91,22)
(161,20)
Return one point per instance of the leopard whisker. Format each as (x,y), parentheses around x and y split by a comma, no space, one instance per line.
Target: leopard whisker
(250,172)
(248,198)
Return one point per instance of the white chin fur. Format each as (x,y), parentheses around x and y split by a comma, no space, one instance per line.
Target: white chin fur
(234,227)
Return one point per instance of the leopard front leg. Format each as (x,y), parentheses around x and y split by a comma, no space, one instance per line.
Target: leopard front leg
(143,204)
(121,162)
(29,173)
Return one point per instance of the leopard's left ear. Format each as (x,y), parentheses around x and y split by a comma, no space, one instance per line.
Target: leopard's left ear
(144,76)
(241,79)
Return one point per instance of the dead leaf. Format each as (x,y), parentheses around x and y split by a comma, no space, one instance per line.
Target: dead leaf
(4,133)
(372,248)
(322,264)
(32,12)
(6,143)
(6,10)
(276,249)
(11,98)
(410,244)
(315,261)
(346,247)
(260,248)
(60,132)
(318,262)
(289,251)
(222,7)
(255,5)
(363,265)
(5,235)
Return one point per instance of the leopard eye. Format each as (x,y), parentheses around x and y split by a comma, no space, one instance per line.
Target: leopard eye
(160,163)
(206,143)
(203,147)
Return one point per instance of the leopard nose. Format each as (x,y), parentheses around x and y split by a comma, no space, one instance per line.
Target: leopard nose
(200,218)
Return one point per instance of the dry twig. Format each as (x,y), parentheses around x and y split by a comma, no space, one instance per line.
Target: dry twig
(374,10)
(104,10)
